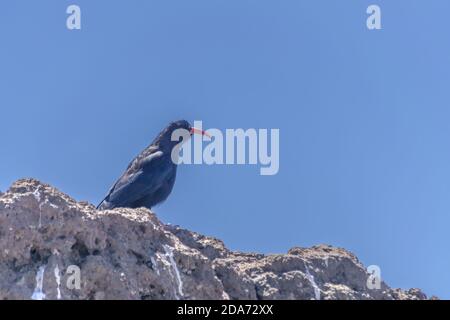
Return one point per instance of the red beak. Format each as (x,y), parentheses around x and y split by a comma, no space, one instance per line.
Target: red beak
(198,131)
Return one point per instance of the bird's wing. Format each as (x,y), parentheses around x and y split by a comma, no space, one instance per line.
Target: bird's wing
(144,175)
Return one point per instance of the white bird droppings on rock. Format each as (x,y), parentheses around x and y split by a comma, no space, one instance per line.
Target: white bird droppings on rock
(313,283)
(169,254)
(58,282)
(38,293)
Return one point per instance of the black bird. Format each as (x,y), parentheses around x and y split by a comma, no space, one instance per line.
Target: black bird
(150,177)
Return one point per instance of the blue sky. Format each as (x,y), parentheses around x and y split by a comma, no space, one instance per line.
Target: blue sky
(363,117)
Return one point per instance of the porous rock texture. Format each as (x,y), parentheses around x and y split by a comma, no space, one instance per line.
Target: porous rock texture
(48,242)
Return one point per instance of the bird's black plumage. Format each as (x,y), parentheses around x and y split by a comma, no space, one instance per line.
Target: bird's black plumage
(149,178)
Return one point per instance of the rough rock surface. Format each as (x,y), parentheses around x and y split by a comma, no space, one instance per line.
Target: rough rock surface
(129,254)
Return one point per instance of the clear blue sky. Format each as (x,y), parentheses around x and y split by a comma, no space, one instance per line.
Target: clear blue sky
(363,117)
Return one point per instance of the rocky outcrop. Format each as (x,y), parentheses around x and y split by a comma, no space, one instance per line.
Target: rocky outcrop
(53,247)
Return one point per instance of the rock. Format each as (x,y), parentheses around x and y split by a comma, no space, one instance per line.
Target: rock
(53,247)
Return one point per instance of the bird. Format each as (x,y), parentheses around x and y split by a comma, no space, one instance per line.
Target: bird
(150,177)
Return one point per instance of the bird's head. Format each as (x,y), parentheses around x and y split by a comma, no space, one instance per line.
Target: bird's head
(175,133)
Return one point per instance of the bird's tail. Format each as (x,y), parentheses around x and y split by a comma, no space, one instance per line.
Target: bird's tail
(104,205)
